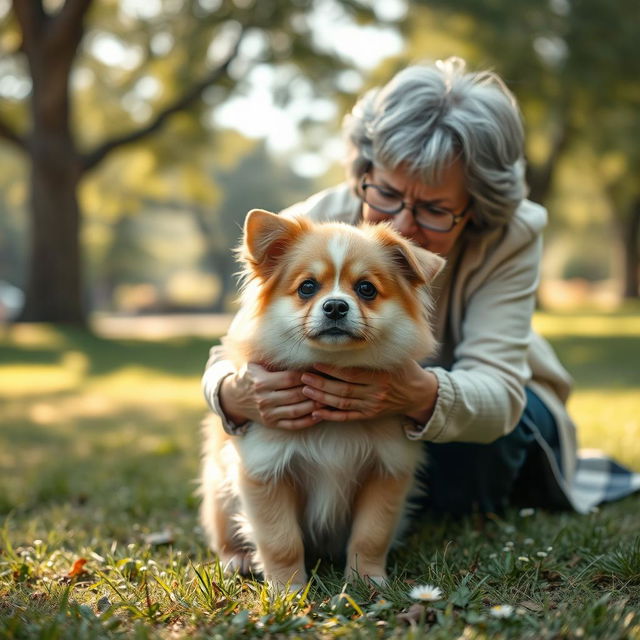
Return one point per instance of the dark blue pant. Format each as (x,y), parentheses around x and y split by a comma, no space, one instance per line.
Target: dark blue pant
(463,478)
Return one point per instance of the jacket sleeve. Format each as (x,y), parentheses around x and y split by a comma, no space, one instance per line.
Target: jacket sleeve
(216,370)
(482,396)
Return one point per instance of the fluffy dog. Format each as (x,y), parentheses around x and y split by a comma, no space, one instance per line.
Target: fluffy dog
(318,293)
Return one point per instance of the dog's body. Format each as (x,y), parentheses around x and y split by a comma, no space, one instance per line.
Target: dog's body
(333,294)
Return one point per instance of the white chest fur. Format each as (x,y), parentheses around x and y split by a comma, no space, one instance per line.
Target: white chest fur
(328,463)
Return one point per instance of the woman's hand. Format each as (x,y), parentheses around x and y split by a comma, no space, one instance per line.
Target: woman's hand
(272,398)
(362,393)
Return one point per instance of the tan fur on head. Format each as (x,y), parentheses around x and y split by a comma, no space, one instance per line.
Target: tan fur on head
(319,293)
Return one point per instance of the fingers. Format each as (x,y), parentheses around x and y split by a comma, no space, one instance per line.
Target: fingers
(292,416)
(266,380)
(342,402)
(267,399)
(332,387)
(349,374)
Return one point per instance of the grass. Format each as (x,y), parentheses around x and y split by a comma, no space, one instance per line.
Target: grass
(98,455)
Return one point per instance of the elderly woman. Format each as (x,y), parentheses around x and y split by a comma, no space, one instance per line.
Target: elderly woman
(438,153)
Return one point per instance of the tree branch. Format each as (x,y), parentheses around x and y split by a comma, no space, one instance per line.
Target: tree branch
(89,160)
(68,21)
(32,19)
(8,134)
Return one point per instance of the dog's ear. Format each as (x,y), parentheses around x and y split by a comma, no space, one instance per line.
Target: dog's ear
(416,264)
(266,237)
(431,264)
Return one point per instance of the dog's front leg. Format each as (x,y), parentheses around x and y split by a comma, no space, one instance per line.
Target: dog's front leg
(272,510)
(377,510)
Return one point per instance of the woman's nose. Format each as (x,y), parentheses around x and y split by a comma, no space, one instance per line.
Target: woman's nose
(405,223)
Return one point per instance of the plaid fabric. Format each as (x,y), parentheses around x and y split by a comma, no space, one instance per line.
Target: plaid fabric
(600,479)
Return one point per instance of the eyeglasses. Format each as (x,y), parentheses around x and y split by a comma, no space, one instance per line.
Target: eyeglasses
(425,214)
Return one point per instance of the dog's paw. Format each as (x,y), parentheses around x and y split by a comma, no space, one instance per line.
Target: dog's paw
(376,578)
(378,581)
(240,561)
(277,586)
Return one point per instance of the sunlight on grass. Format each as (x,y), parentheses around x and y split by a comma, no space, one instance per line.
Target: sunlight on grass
(32,335)
(609,420)
(137,384)
(586,325)
(25,380)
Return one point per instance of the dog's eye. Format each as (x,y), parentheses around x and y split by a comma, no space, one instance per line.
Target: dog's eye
(366,290)
(307,288)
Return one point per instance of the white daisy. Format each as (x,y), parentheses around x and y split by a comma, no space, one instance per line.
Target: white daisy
(501,611)
(527,512)
(426,593)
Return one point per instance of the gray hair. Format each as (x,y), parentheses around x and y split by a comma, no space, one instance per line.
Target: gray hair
(428,115)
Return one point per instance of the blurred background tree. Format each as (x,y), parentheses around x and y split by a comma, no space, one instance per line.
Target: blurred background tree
(97,76)
(164,121)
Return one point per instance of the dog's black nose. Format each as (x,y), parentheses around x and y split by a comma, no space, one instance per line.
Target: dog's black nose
(334,308)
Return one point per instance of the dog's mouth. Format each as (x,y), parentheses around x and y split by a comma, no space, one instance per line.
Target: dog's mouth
(335,333)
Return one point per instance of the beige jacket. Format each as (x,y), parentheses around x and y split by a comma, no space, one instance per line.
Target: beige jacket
(484,298)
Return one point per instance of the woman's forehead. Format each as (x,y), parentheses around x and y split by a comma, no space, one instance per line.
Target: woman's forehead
(451,183)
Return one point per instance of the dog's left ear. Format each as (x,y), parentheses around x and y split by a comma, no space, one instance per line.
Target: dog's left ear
(431,264)
(266,237)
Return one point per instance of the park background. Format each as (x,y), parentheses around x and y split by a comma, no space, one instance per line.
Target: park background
(134,137)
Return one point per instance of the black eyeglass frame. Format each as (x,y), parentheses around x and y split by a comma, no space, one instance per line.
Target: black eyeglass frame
(455,218)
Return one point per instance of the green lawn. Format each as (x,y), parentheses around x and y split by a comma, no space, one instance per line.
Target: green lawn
(99,448)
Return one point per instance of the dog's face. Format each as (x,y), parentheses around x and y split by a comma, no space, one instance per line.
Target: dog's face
(351,296)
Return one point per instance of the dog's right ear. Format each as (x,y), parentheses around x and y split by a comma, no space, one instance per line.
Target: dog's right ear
(266,237)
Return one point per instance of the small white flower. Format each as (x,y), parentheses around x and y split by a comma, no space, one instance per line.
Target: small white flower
(549,548)
(541,554)
(493,555)
(523,558)
(501,611)
(528,541)
(426,593)
(508,544)
(528,511)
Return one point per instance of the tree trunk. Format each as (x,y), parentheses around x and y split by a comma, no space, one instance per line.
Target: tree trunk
(540,178)
(631,244)
(54,290)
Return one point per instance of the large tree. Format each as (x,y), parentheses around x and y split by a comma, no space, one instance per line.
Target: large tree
(198,41)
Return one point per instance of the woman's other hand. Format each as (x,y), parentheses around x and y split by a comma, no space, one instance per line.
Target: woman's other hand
(356,394)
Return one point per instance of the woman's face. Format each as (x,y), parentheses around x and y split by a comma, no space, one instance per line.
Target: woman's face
(449,195)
